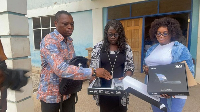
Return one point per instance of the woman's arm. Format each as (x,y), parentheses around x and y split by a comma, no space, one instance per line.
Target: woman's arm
(129,64)
(95,55)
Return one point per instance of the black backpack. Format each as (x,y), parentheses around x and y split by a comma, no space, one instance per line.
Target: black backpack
(70,86)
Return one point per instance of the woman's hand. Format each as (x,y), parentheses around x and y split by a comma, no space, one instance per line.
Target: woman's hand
(128,73)
(146,69)
(121,78)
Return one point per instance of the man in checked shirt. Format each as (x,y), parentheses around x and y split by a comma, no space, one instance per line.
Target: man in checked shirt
(56,50)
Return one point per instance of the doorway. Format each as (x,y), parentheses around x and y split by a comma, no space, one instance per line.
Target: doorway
(183,19)
(133,32)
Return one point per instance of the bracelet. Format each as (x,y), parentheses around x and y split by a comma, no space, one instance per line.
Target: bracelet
(94,72)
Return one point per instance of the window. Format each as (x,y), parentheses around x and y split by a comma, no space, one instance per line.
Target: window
(144,8)
(149,7)
(41,27)
(119,12)
(174,5)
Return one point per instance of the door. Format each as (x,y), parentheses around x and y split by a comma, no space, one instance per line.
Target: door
(133,32)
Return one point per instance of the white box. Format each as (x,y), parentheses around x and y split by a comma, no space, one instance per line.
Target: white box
(139,89)
(116,89)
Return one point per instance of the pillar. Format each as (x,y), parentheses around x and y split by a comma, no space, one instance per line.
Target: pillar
(13,34)
(97,25)
(198,53)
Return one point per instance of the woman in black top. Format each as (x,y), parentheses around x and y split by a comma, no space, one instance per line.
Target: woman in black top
(115,55)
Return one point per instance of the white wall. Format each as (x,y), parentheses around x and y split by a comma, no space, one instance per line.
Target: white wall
(198,53)
(33,4)
(76,6)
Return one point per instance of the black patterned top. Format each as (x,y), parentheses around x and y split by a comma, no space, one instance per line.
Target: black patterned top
(95,63)
(118,70)
(95,58)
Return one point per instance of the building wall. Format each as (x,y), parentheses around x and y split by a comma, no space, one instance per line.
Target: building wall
(34,4)
(194,48)
(35,54)
(88,18)
(105,16)
(83,32)
(79,5)
(198,53)
(97,19)
(194,32)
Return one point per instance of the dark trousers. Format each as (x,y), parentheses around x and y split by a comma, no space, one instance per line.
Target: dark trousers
(3,102)
(67,105)
(111,104)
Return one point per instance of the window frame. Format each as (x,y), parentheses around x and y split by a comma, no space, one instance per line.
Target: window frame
(41,29)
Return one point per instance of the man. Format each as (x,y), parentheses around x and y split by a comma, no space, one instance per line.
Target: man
(13,79)
(56,50)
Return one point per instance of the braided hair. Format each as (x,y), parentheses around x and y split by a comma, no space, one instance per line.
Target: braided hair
(121,42)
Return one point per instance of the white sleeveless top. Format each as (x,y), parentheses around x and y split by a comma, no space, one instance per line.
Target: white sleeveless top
(161,55)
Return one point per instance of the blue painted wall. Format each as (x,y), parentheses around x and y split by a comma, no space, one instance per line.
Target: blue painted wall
(82,36)
(194,32)
(34,4)
(35,54)
(105,16)
(83,32)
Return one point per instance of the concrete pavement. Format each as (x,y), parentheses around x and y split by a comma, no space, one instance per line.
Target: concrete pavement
(87,104)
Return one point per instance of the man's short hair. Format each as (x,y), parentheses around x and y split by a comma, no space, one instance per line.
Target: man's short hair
(57,16)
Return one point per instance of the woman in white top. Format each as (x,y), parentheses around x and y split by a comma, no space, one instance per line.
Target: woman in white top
(167,50)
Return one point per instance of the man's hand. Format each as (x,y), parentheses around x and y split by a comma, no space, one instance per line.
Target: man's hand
(101,72)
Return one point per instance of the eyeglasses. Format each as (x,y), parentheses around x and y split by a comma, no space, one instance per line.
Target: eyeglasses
(115,35)
(163,34)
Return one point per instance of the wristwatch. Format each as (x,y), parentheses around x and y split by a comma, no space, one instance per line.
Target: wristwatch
(94,72)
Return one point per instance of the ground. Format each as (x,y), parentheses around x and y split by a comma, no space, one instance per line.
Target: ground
(87,104)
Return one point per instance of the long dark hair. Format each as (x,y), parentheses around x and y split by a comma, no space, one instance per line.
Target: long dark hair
(121,42)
